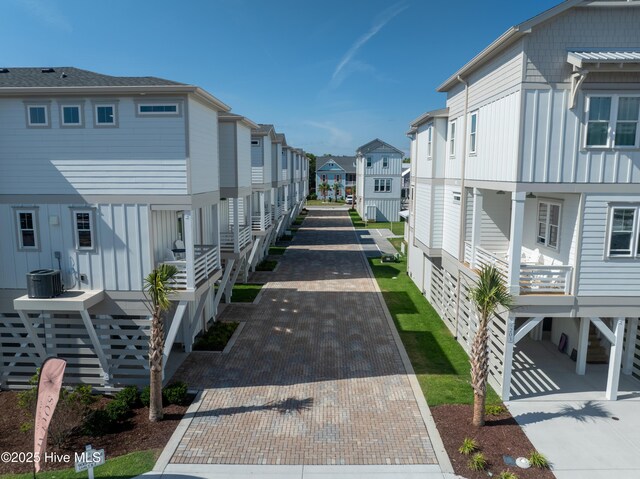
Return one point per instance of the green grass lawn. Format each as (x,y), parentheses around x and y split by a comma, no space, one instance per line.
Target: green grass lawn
(325,203)
(122,467)
(277,250)
(397,227)
(440,363)
(267,265)
(245,293)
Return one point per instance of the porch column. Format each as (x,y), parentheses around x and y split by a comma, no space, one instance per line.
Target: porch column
(477,225)
(515,243)
(236,225)
(615,359)
(189,250)
(507,360)
(630,345)
(583,346)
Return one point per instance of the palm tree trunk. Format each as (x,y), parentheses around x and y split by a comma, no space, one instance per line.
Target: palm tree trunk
(479,371)
(156,350)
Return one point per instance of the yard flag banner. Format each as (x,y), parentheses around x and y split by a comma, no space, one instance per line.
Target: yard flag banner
(49,385)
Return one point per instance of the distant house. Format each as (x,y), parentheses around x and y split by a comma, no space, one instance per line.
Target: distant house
(378,181)
(339,170)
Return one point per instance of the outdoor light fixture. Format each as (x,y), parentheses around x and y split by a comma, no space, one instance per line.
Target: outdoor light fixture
(531,195)
(499,192)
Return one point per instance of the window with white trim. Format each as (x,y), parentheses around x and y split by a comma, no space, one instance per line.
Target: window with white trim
(473,133)
(612,121)
(38,115)
(548,224)
(452,138)
(385,162)
(456,195)
(105,115)
(624,231)
(382,185)
(368,162)
(429,142)
(70,115)
(83,229)
(27,222)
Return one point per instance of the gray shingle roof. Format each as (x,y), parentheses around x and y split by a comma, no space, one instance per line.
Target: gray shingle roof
(71,77)
(347,163)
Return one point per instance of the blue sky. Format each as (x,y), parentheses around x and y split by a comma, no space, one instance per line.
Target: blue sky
(330,74)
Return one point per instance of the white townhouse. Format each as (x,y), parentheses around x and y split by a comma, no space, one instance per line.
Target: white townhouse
(103,178)
(378,181)
(534,167)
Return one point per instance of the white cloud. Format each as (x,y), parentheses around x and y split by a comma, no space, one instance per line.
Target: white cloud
(47,12)
(347,65)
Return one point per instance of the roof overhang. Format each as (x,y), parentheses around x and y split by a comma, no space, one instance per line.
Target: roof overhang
(430,115)
(606,61)
(226,116)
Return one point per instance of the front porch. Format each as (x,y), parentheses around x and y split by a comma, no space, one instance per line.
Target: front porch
(205,266)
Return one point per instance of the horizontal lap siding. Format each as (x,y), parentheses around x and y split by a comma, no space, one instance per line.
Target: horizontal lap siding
(622,275)
(141,155)
(423,219)
(438,216)
(204,162)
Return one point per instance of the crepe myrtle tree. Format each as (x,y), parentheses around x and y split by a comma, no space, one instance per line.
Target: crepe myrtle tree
(158,287)
(487,295)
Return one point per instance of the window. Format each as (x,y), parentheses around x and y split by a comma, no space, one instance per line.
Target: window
(473,133)
(38,115)
(548,224)
(430,142)
(324,178)
(456,197)
(382,185)
(368,162)
(385,162)
(452,138)
(255,142)
(105,115)
(602,131)
(70,115)
(337,178)
(624,231)
(158,109)
(83,225)
(27,229)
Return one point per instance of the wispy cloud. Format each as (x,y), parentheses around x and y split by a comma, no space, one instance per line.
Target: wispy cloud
(346,66)
(47,12)
(337,138)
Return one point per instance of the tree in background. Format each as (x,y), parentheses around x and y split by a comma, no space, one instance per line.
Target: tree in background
(323,188)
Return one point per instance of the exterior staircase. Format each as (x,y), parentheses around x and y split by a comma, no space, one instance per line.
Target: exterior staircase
(596,353)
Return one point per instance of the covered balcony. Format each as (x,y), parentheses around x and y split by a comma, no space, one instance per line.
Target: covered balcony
(529,238)
(235,240)
(235,227)
(205,265)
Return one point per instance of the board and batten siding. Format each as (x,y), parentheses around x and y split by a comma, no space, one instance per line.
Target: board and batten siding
(424,207)
(228,154)
(244,155)
(204,163)
(438,216)
(142,155)
(599,275)
(120,260)
(451,221)
(553,144)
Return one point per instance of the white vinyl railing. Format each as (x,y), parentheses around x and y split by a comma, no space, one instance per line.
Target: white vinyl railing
(534,278)
(206,262)
(545,279)
(260,223)
(229,242)
(257,174)
(276,212)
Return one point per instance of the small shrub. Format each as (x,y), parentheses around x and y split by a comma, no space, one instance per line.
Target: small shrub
(130,396)
(117,410)
(478,462)
(98,423)
(495,410)
(507,475)
(145,396)
(175,393)
(538,460)
(217,337)
(468,446)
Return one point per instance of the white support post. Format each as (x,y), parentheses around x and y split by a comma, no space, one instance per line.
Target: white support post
(97,346)
(33,335)
(526,327)
(630,345)
(189,250)
(615,360)
(262,208)
(173,332)
(583,346)
(236,225)
(515,240)
(223,282)
(477,225)
(507,360)
(189,327)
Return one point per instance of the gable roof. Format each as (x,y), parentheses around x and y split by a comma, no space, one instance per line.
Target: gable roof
(39,80)
(518,31)
(374,144)
(347,163)
(265,130)
(227,116)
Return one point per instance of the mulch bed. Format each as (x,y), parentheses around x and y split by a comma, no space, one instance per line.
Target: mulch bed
(500,436)
(136,434)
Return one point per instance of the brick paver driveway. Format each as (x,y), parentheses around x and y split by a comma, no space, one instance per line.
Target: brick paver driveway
(315,376)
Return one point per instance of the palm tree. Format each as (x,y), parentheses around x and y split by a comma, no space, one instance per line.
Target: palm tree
(158,288)
(488,294)
(336,189)
(324,188)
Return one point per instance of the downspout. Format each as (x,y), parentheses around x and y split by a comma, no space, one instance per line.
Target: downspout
(463,200)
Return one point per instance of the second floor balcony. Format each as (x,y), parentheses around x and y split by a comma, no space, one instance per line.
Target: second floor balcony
(206,265)
(235,241)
